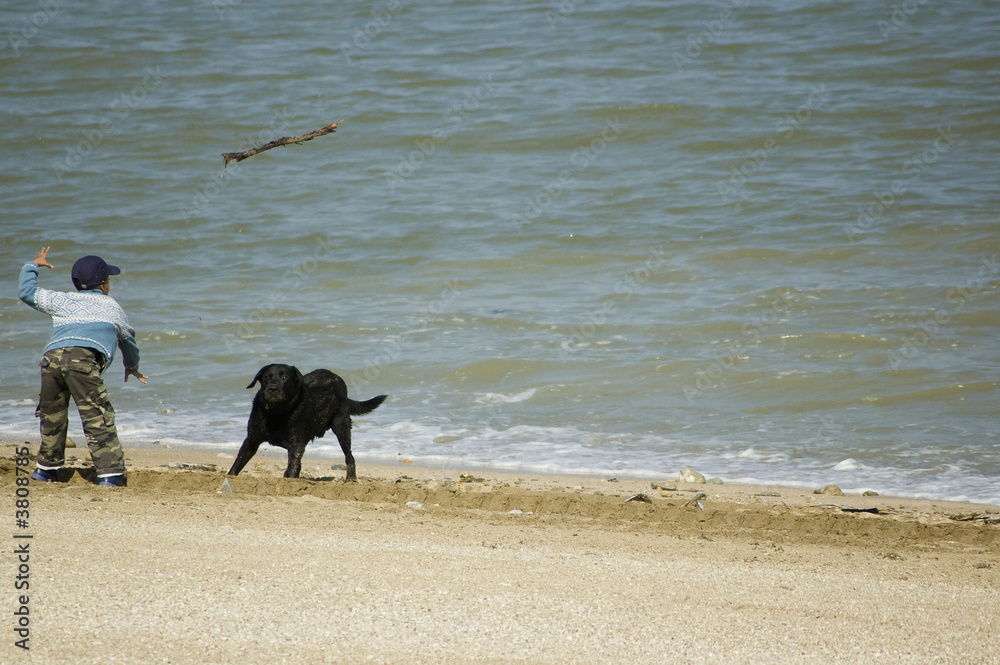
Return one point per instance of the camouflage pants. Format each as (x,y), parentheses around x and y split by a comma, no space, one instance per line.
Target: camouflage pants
(76,372)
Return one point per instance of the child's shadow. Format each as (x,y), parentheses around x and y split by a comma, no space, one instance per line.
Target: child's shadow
(86,474)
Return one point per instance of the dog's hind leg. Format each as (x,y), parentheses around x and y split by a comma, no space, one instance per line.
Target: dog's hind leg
(247,451)
(342,428)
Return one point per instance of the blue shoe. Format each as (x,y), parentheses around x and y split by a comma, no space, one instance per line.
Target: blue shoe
(45,475)
(113,481)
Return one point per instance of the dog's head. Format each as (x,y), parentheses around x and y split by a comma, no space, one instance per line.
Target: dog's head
(279,384)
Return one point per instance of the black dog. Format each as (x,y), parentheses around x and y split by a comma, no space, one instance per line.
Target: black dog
(290,410)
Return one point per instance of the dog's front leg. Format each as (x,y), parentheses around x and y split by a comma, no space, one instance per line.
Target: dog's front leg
(295,453)
(247,451)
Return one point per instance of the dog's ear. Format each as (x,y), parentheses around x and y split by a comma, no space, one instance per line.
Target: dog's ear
(297,381)
(260,372)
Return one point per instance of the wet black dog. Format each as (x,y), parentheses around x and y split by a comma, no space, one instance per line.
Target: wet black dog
(290,410)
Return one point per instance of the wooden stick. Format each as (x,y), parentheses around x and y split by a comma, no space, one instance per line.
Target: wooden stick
(285,140)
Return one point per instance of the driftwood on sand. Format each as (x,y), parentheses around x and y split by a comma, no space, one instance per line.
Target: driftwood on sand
(285,140)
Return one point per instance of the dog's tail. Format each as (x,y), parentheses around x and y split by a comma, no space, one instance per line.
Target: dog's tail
(361,408)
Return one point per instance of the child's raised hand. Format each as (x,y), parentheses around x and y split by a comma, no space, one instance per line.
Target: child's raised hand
(42,260)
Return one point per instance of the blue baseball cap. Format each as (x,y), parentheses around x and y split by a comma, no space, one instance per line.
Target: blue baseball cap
(91,271)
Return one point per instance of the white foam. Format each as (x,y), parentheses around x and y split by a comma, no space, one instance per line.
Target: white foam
(500,398)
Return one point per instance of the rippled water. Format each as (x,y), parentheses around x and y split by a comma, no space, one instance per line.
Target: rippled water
(757,239)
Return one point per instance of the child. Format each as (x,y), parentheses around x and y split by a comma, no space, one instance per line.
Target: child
(87,327)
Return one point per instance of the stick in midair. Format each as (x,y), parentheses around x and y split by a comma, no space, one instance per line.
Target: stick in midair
(285,140)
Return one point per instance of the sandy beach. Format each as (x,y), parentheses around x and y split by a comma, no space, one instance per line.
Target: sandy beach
(427,565)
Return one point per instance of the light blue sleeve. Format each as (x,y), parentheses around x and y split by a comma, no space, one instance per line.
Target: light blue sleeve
(28,285)
(130,350)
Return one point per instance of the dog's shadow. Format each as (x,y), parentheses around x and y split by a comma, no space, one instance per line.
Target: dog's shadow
(336,478)
(331,479)
(323,479)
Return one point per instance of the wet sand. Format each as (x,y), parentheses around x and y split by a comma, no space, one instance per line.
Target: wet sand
(425,565)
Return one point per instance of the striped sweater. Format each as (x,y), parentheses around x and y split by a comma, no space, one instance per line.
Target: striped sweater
(87,318)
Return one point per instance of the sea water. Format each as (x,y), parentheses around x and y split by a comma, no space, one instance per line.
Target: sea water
(757,239)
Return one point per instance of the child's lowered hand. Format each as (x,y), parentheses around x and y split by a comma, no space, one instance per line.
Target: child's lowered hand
(136,374)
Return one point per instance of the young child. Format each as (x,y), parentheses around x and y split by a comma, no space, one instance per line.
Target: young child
(87,327)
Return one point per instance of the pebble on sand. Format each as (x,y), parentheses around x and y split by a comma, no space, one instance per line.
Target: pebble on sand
(689,476)
(832,490)
(642,498)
